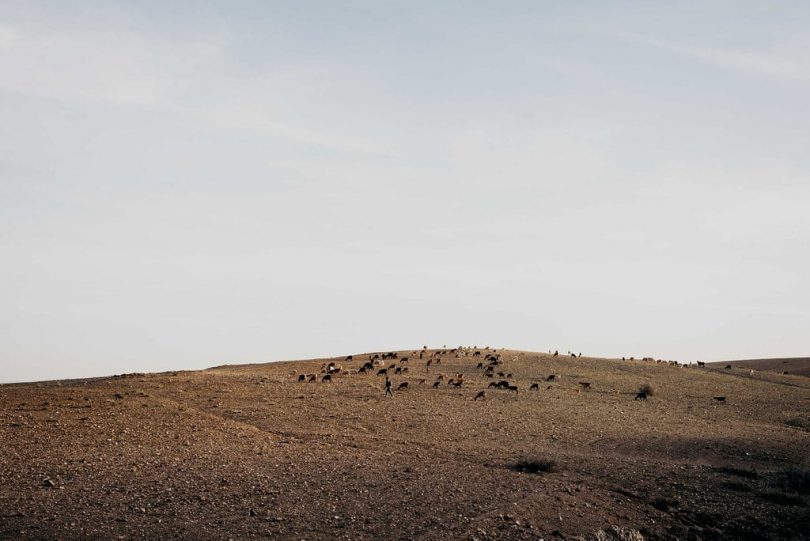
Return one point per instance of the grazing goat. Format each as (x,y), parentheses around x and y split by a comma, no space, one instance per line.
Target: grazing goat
(509,375)
(492,384)
(480,365)
(349,358)
(534,387)
(501,375)
(701,363)
(502,385)
(556,353)
(512,388)
(728,367)
(403,385)
(719,398)
(585,385)
(641,395)
(398,370)
(326,379)
(552,377)
(382,372)
(440,377)
(436,385)
(312,378)
(302,378)
(421,382)
(482,395)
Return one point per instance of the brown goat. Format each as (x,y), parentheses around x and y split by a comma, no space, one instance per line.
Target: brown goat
(534,387)
(585,385)
(403,385)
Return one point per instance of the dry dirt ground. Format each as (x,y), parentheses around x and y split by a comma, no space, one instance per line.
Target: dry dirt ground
(248,452)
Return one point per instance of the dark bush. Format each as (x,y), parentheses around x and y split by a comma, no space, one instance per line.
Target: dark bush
(647,389)
(662,504)
(534,465)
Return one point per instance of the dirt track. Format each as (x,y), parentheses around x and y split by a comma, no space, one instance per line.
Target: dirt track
(249,453)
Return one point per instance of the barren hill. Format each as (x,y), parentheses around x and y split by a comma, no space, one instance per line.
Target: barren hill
(249,452)
(799,366)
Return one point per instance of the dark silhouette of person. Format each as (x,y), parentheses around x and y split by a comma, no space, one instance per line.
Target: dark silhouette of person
(388,386)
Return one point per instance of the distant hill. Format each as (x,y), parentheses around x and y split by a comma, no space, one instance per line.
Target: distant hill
(797,366)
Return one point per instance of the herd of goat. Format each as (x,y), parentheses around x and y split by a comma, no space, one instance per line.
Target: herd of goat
(490,366)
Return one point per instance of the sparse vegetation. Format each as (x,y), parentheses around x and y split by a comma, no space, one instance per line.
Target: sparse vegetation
(534,465)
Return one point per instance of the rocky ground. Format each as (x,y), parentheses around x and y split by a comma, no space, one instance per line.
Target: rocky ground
(248,452)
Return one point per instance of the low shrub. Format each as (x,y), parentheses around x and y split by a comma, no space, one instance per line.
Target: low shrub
(534,465)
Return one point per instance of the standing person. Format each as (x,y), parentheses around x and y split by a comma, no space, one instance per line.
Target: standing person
(388,385)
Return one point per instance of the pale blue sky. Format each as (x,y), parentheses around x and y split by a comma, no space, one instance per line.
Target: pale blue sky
(202,183)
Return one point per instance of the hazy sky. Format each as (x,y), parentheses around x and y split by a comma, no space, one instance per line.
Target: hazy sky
(191,184)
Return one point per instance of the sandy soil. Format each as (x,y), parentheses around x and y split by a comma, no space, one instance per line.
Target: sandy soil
(248,452)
